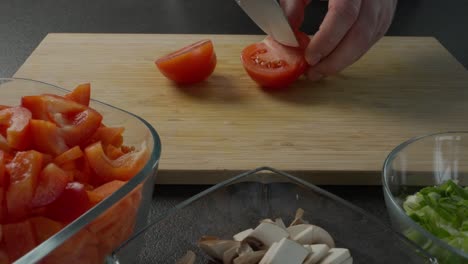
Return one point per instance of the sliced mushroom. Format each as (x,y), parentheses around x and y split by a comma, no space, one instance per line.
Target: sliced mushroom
(298,219)
(286,251)
(317,253)
(310,234)
(348,261)
(244,248)
(279,222)
(188,258)
(242,235)
(215,248)
(266,234)
(229,255)
(336,256)
(250,258)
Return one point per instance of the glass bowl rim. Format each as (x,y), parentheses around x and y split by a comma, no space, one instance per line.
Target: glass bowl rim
(388,161)
(49,245)
(295,180)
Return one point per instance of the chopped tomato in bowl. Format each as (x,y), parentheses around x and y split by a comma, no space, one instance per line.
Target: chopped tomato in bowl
(74,183)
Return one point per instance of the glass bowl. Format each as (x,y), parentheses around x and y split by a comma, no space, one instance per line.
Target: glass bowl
(80,241)
(425,161)
(242,201)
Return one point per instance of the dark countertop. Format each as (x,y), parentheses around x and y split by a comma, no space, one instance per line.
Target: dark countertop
(24,23)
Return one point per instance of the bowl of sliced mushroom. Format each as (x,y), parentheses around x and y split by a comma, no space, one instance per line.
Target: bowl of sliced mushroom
(272,242)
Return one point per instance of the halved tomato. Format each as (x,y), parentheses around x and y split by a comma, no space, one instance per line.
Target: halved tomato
(122,168)
(273,65)
(15,122)
(190,64)
(24,172)
(81,94)
(52,183)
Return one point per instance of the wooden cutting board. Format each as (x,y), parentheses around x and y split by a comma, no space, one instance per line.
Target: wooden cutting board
(337,131)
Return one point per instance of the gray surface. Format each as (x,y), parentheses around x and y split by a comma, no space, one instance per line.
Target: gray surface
(24,23)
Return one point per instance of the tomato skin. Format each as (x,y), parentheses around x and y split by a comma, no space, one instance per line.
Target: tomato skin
(81,94)
(274,66)
(71,204)
(24,171)
(52,182)
(122,168)
(189,65)
(17,133)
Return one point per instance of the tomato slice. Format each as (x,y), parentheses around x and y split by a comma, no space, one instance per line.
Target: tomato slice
(44,227)
(273,65)
(16,120)
(108,136)
(81,94)
(190,64)
(122,168)
(47,138)
(24,171)
(52,183)
(114,152)
(72,203)
(69,155)
(76,122)
(19,239)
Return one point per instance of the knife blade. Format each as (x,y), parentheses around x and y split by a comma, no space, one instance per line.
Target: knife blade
(269,16)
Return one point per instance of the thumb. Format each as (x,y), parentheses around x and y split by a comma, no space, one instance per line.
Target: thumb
(294,10)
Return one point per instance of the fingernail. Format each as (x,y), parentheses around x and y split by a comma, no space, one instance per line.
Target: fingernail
(314,76)
(313,59)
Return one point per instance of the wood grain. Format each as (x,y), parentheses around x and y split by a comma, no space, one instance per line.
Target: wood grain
(336,131)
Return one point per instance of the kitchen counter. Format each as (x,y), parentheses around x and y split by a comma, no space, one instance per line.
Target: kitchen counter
(23,24)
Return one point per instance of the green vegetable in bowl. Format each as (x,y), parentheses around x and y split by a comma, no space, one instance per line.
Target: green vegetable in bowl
(443,211)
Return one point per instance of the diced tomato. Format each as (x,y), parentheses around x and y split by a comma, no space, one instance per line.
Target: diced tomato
(76,122)
(44,227)
(3,255)
(122,168)
(108,136)
(52,183)
(109,188)
(114,152)
(70,204)
(81,94)
(190,64)
(19,239)
(46,137)
(69,155)
(4,107)
(24,171)
(4,144)
(273,65)
(94,198)
(16,120)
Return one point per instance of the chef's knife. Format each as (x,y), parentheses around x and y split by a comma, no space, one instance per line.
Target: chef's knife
(269,16)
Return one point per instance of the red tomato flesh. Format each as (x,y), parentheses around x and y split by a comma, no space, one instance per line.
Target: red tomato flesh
(19,239)
(16,120)
(191,64)
(273,65)
(81,94)
(52,183)
(72,203)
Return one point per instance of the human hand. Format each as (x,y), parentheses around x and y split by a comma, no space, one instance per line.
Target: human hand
(349,29)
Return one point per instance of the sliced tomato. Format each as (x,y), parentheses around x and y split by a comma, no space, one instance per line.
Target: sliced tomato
(190,64)
(114,152)
(16,121)
(69,155)
(81,94)
(108,136)
(76,122)
(94,197)
(122,168)
(19,239)
(24,172)
(72,203)
(4,107)
(273,65)
(44,227)
(3,255)
(47,138)
(52,183)
(3,187)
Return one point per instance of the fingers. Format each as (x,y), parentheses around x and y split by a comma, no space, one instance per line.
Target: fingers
(356,42)
(294,10)
(341,16)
